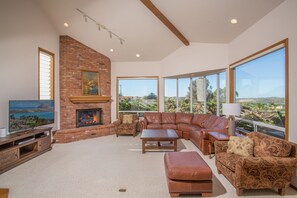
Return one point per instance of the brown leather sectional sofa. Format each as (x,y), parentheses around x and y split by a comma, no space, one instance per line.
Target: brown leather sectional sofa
(190,126)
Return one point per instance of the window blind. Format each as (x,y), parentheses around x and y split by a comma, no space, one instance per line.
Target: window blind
(45,76)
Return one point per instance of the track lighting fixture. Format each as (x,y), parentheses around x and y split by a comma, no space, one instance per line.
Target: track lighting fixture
(101,26)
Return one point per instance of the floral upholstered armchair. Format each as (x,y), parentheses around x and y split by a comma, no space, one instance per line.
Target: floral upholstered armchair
(268,162)
(126,124)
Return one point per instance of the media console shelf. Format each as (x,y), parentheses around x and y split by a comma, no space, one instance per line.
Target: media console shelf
(18,148)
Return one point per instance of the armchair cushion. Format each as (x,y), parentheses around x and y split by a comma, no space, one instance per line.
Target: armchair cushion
(266,145)
(241,146)
(273,148)
(127,119)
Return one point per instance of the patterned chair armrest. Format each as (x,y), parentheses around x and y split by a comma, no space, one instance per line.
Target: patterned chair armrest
(221,146)
(264,172)
(117,122)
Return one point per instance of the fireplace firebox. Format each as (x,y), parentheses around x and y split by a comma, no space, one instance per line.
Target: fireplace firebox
(88,117)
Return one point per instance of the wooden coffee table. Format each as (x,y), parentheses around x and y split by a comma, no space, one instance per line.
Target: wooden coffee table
(159,135)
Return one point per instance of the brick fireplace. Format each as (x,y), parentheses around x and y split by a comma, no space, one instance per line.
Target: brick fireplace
(75,57)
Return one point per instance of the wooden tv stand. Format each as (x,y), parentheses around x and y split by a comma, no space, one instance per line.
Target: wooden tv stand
(20,147)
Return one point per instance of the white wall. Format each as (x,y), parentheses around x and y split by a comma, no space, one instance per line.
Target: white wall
(194,58)
(131,69)
(274,27)
(24,28)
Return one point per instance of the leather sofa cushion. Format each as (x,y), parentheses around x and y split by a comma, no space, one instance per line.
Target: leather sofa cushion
(153,117)
(169,126)
(183,127)
(209,122)
(221,123)
(186,166)
(198,119)
(228,159)
(154,126)
(265,145)
(185,118)
(168,118)
(188,127)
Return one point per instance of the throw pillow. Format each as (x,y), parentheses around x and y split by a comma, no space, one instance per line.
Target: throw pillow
(242,146)
(127,119)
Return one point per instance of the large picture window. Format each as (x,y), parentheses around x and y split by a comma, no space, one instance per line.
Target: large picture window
(170,95)
(137,94)
(260,88)
(196,94)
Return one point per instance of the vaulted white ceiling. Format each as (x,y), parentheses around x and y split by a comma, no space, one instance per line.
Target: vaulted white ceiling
(204,21)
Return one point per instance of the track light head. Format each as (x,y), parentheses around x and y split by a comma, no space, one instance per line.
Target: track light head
(98,26)
(85,17)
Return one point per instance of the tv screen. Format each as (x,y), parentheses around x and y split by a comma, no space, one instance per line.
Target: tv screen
(27,114)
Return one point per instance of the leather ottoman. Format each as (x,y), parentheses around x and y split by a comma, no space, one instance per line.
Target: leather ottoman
(187,173)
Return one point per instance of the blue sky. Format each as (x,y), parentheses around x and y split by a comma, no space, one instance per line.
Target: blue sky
(262,77)
(138,87)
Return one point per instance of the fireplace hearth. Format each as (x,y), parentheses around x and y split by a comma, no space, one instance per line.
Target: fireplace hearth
(88,117)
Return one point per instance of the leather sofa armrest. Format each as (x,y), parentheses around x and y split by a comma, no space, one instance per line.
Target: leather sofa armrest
(143,123)
(205,135)
(221,146)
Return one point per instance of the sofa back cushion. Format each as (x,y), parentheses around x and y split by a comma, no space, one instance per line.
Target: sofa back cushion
(198,119)
(168,118)
(209,122)
(266,145)
(185,118)
(221,123)
(154,117)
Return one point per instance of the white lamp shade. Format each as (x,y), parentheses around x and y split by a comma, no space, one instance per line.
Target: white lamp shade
(232,109)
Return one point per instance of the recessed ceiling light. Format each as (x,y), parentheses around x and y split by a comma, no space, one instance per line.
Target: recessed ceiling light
(234,21)
(111,50)
(137,55)
(66,24)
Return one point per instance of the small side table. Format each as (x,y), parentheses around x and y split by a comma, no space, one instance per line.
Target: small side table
(215,136)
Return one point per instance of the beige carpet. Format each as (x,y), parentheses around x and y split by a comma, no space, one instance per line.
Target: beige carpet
(101,166)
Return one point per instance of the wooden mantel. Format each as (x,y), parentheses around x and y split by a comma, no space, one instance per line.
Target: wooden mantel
(89,99)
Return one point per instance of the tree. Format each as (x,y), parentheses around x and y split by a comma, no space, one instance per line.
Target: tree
(150,96)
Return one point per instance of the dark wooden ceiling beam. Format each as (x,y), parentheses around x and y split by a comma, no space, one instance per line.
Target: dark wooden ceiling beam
(165,21)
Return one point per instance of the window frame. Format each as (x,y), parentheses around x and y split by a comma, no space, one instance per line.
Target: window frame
(52,72)
(202,75)
(139,78)
(281,44)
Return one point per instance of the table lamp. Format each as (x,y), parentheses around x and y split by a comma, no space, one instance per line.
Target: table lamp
(231,110)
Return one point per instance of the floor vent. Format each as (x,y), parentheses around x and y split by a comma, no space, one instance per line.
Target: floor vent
(122,190)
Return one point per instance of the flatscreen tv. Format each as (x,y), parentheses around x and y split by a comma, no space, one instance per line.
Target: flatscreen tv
(28,114)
